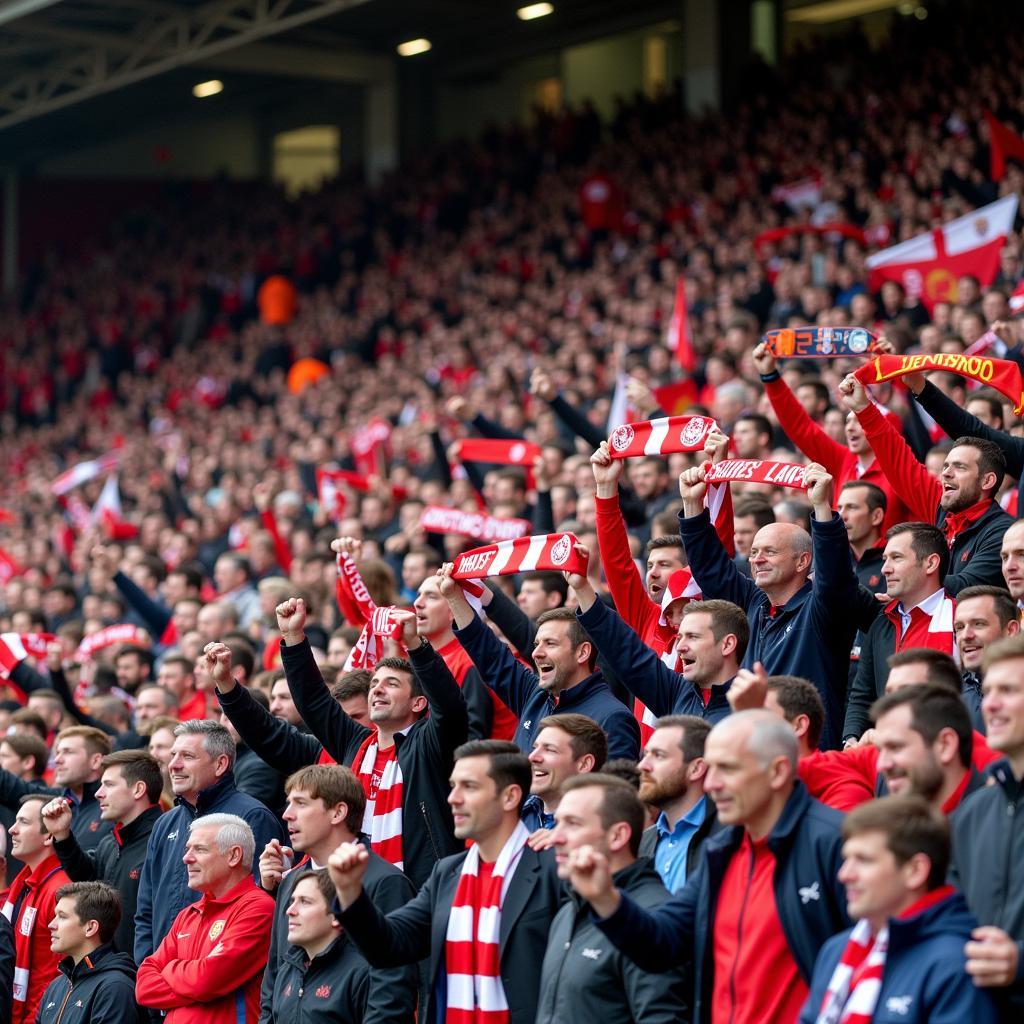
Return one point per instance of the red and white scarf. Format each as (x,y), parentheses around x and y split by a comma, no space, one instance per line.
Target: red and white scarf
(120,633)
(472,953)
(31,880)
(856,982)
(663,436)
(757,471)
(555,552)
(358,608)
(382,819)
(478,525)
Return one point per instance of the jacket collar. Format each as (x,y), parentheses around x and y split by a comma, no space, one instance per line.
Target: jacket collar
(782,832)
(210,796)
(73,972)
(583,689)
(88,793)
(1003,774)
(296,955)
(142,825)
(793,604)
(229,897)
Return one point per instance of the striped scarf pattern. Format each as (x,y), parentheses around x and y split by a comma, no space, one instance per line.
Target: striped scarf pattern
(472,943)
(382,819)
(856,982)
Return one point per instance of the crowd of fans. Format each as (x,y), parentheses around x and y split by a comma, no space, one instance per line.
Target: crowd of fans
(264,758)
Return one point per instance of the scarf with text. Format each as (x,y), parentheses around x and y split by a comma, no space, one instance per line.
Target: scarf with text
(756,471)
(382,819)
(856,982)
(664,436)
(121,633)
(1001,374)
(554,552)
(478,525)
(472,954)
(819,342)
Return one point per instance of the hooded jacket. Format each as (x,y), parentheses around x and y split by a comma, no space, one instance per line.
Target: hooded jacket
(925,980)
(99,989)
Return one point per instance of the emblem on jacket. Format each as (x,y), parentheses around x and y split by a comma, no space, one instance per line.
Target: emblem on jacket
(899,1004)
(808,893)
(592,954)
(215,929)
(323,992)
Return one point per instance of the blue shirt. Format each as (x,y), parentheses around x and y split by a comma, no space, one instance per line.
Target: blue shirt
(674,844)
(534,816)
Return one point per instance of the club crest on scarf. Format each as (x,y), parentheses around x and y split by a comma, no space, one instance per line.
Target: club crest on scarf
(694,430)
(622,437)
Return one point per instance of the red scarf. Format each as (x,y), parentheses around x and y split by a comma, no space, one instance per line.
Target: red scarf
(31,882)
(382,819)
(956,522)
(663,436)
(472,949)
(553,551)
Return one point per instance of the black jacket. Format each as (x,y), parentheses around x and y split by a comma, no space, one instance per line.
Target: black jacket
(391,997)
(584,977)
(99,989)
(259,779)
(331,988)
(117,860)
(275,741)
(988,861)
(810,901)
(709,827)
(418,930)
(425,752)
(86,825)
(6,970)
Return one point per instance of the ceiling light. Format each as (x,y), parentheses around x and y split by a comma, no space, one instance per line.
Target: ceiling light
(531,11)
(837,10)
(413,46)
(210,88)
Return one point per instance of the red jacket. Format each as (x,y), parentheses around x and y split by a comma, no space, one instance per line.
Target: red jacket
(209,967)
(840,462)
(36,967)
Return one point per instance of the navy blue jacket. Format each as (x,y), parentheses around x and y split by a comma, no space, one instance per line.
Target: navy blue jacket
(521,692)
(163,884)
(103,986)
(811,903)
(646,676)
(812,634)
(925,980)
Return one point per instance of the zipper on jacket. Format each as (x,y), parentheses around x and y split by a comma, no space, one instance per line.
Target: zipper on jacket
(60,1012)
(430,831)
(739,935)
(1011,813)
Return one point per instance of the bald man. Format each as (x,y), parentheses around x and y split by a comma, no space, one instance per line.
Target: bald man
(770,876)
(798,626)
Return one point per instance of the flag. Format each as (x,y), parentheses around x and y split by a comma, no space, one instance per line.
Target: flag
(83,472)
(929,265)
(369,446)
(799,194)
(1003,143)
(107,512)
(675,398)
(679,340)
(1017,298)
(9,567)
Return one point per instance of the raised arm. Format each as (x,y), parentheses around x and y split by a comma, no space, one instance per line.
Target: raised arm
(496,664)
(338,733)
(917,488)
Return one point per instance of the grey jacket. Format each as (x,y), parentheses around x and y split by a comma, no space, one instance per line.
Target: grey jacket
(585,977)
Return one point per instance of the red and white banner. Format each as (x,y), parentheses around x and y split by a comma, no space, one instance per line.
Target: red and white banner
(369,646)
(122,633)
(438,519)
(798,195)
(16,647)
(660,437)
(1001,374)
(497,452)
(83,472)
(756,471)
(679,339)
(555,552)
(930,265)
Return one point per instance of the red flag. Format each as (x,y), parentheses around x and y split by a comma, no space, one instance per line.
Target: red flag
(9,567)
(369,445)
(1003,143)
(497,452)
(929,265)
(679,340)
(675,398)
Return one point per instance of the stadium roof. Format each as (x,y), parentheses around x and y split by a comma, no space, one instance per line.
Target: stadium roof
(120,59)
